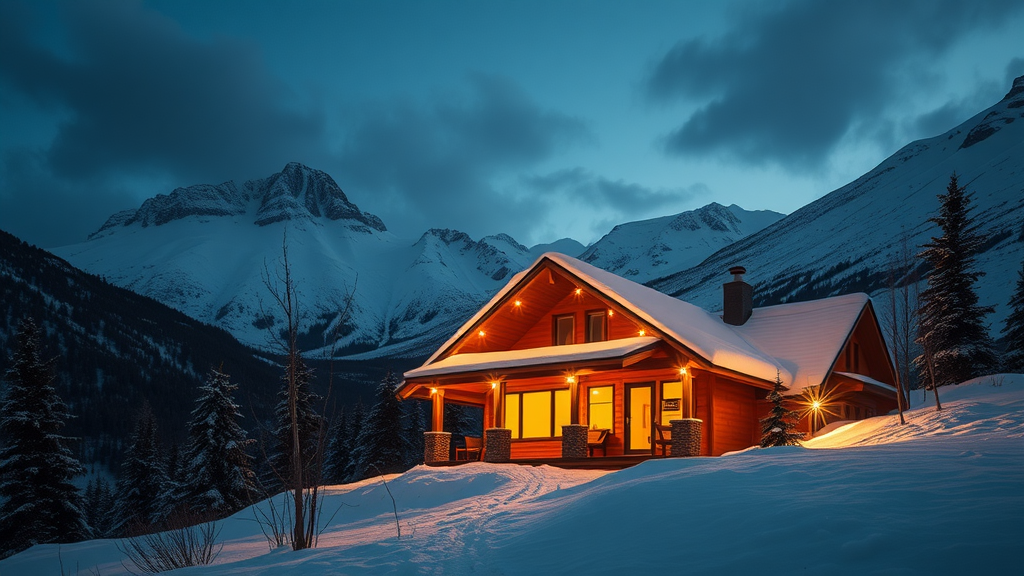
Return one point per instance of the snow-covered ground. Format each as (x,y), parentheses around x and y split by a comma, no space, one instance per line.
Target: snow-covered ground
(942,495)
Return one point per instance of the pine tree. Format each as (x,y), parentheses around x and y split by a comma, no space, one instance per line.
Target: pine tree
(143,483)
(337,449)
(38,502)
(217,469)
(777,426)
(1013,360)
(355,423)
(951,321)
(98,506)
(310,425)
(414,429)
(380,447)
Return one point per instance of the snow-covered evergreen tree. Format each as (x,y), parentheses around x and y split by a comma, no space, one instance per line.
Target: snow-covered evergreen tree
(311,429)
(354,427)
(218,476)
(777,427)
(338,447)
(380,446)
(99,506)
(415,426)
(142,486)
(458,422)
(38,502)
(951,321)
(1013,360)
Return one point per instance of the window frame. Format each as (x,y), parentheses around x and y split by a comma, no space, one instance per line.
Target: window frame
(603,314)
(554,329)
(590,403)
(556,434)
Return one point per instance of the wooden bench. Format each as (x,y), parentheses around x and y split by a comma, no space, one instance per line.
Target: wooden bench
(474,444)
(664,439)
(597,439)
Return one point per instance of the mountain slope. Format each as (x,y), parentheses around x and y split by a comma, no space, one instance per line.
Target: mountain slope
(844,241)
(647,249)
(209,252)
(116,349)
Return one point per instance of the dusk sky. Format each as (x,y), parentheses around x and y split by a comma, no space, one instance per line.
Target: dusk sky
(539,119)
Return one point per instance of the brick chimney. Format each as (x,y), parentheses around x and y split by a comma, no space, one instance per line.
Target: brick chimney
(738,298)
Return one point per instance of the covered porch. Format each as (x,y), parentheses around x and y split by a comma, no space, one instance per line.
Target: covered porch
(548,405)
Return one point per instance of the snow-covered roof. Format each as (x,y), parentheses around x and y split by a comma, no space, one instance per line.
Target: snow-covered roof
(799,340)
(805,337)
(868,380)
(493,361)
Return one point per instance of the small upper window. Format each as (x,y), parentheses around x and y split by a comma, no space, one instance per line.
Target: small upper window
(565,330)
(597,327)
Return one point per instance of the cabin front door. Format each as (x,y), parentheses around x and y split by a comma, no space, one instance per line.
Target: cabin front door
(639,415)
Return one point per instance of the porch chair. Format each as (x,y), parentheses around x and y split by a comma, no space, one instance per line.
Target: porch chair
(474,444)
(664,440)
(596,439)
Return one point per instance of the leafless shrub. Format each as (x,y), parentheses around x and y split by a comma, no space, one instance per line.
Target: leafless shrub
(190,540)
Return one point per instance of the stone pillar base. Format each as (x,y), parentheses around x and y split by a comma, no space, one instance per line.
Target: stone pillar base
(497,445)
(686,436)
(574,441)
(436,446)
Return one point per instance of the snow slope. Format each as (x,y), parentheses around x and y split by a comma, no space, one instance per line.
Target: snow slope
(942,495)
(844,241)
(649,249)
(206,251)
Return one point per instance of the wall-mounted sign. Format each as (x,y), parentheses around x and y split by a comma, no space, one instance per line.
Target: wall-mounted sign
(670,405)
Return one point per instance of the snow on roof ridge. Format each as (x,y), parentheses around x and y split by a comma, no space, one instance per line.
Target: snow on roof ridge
(808,305)
(497,360)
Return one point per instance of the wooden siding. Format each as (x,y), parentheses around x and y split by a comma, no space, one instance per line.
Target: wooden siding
(734,416)
(541,333)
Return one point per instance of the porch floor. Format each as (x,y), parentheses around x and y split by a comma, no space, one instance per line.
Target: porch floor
(596,463)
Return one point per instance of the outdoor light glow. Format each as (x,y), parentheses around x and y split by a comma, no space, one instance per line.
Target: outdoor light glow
(816,405)
(570,379)
(642,331)
(519,302)
(433,390)
(579,291)
(481,333)
(494,384)
(611,312)
(682,371)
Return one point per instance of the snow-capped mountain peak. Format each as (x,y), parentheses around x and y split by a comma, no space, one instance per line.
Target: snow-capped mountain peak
(296,193)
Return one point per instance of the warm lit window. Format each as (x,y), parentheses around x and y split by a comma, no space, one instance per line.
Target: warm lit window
(676,402)
(537,414)
(565,330)
(600,407)
(597,328)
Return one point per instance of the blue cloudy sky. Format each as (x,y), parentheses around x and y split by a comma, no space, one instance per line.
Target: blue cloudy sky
(540,119)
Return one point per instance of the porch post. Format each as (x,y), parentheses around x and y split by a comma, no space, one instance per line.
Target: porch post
(437,442)
(574,401)
(499,410)
(437,414)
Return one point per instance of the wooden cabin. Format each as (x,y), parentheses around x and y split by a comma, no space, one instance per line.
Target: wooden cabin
(567,343)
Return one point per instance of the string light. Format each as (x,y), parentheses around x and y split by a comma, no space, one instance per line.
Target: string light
(642,331)
(611,312)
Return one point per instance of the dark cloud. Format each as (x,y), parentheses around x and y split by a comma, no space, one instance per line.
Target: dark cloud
(49,211)
(436,163)
(783,86)
(139,95)
(596,192)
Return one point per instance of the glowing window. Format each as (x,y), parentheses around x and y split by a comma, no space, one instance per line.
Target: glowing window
(565,330)
(537,414)
(512,413)
(600,407)
(596,327)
